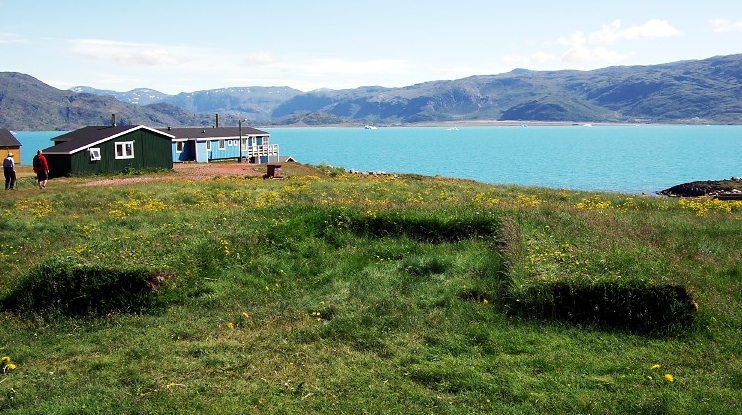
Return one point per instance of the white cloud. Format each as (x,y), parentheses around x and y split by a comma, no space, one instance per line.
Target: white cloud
(128,53)
(586,49)
(584,55)
(613,32)
(724,25)
(260,58)
(11,38)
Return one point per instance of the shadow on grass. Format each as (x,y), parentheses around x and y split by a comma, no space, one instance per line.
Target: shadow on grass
(424,229)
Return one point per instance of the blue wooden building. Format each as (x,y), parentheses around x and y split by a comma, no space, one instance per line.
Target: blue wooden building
(222,143)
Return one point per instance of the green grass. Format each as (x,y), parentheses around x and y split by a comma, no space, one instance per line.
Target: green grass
(347,294)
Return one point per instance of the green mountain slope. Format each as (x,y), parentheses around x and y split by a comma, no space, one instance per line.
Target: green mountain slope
(690,91)
(28,104)
(699,91)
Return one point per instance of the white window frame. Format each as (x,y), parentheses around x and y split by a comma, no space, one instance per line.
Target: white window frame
(94,153)
(179,146)
(208,145)
(221,145)
(124,150)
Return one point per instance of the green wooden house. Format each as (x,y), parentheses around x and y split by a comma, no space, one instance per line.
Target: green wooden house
(109,149)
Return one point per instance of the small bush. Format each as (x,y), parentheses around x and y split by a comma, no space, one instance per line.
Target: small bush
(633,306)
(66,288)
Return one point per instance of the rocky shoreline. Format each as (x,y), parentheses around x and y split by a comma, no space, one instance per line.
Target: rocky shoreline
(729,189)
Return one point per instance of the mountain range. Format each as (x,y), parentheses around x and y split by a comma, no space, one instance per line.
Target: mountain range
(694,91)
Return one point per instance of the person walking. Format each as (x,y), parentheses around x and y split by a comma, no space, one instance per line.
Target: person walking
(41,167)
(9,170)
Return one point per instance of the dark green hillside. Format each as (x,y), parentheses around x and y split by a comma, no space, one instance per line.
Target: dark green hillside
(556,109)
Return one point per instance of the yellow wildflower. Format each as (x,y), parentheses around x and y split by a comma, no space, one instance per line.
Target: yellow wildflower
(245,315)
(669,377)
(10,366)
(655,366)
(230,325)
(6,359)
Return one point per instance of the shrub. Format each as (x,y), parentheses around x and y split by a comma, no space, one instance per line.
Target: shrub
(68,288)
(634,306)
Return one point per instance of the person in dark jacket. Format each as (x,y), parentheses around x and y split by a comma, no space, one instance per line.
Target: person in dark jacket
(9,170)
(41,167)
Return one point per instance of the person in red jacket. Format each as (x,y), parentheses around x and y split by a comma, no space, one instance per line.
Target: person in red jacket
(41,167)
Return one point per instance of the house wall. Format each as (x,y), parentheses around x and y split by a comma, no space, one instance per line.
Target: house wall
(196,149)
(59,165)
(16,150)
(151,151)
(231,149)
(188,153)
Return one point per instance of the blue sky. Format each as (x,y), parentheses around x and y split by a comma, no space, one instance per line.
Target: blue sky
(184,46)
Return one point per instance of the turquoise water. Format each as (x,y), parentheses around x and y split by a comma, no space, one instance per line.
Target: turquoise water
(34,140)
(627,159)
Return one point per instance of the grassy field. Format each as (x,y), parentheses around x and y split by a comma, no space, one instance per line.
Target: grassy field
(334,293)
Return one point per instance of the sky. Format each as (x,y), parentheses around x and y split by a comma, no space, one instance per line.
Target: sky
(178,46)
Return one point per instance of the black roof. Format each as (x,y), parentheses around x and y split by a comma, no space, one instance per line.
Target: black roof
(182,133)
(86,137)
(7,139)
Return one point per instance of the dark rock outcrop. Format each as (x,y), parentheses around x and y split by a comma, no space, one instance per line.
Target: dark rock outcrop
(720,188)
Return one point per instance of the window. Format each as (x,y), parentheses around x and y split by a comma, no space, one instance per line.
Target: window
(221,145)
(208,145)
(179,145)
(94,154)
(125,150)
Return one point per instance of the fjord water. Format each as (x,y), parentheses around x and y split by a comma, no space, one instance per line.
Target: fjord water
(625,158)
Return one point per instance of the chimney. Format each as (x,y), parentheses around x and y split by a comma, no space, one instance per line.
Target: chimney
(217,120)
(113,120)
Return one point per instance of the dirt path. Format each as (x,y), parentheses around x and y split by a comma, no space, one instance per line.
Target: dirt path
(192,171)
